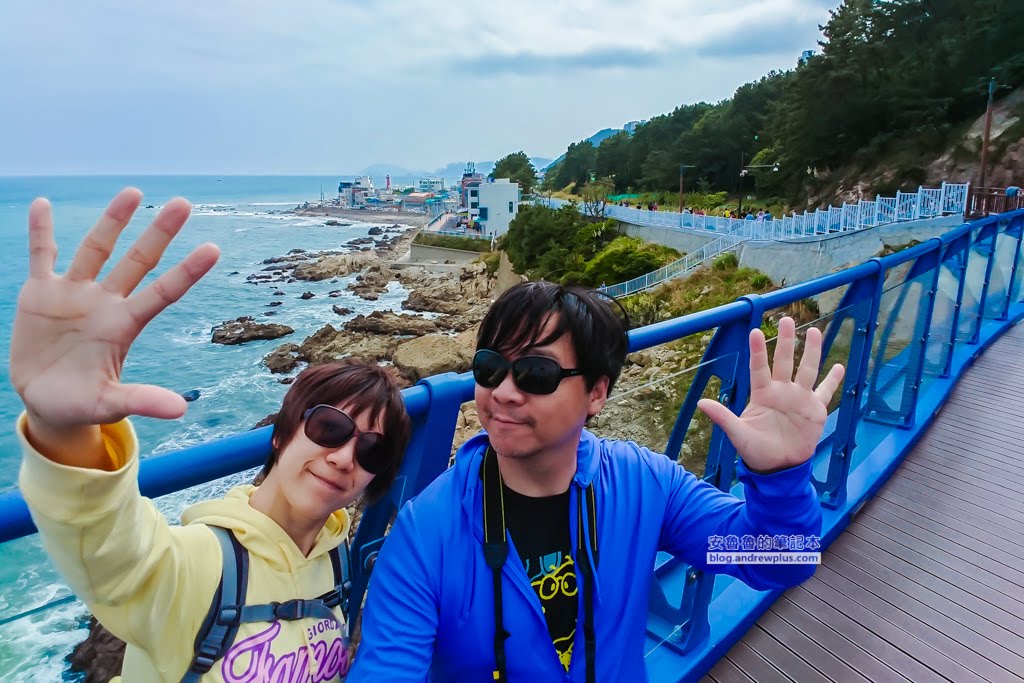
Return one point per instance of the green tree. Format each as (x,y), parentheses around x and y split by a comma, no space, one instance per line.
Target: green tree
(577,165)
(517,168)
(626,258)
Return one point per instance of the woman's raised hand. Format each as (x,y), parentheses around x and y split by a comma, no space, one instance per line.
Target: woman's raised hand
(72,332)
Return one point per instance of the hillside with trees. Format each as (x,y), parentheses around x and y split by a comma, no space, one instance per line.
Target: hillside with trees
(894,86)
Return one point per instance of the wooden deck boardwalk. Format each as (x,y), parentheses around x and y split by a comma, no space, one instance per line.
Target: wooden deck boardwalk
(927,583)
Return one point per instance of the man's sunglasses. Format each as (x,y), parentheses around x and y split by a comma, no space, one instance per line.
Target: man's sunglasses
(532,374)
(330,427)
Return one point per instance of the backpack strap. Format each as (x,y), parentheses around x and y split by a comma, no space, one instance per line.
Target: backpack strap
(221,624)
(228,610)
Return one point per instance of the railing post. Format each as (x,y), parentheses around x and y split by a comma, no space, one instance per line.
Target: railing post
(990,233)
(878,208)
(867,290)
(961,250)
(425,458)
(917,205)
(877,408)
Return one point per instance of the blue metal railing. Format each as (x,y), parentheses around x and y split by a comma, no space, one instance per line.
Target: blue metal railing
(906,326)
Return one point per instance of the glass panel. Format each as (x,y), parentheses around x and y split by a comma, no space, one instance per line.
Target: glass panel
(1018,280)
(1006,249)
(974,285)
(943,309)
(650,393)
(838,328)
(890,371)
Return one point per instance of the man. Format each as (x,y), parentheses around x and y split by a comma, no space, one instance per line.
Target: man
(583,517)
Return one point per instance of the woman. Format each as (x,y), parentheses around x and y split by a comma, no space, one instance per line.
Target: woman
(341,432)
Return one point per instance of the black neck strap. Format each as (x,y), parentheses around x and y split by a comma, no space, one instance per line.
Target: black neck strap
(496,553)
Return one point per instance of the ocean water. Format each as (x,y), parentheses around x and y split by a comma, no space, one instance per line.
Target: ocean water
(243,215)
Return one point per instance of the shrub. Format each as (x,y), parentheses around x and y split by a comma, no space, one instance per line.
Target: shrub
(726,261)
(452,242)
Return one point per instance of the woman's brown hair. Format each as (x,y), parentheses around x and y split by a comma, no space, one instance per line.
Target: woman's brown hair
(362,388)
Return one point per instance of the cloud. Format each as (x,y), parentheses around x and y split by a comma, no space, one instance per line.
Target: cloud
(530,64)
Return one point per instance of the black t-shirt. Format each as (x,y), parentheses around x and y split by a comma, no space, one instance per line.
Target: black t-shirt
(539,527)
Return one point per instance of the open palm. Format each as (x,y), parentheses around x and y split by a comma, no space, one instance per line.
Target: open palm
(784,418)
(72,333)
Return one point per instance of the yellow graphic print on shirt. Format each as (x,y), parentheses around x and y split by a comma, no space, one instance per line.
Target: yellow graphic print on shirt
(555,585)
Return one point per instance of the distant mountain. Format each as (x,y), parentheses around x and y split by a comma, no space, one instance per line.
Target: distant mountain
(451,171)
(595,139)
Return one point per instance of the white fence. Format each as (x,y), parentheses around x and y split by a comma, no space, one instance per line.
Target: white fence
(951,198)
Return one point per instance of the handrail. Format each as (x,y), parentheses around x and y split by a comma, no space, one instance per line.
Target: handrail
(906,326)
(951,198)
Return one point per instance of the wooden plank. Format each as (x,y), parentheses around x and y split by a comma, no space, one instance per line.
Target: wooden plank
(958,593)
(726,672)
(972,495)
(929,459)
(878,647)
(975,586)
(756,667)
(997,576)
(954,506)
(980,542)
(959,610)
(896,637)
(1003,463)
(817,656)
(978,654)
(761,642)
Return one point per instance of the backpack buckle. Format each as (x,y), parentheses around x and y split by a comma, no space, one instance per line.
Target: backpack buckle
(288,611)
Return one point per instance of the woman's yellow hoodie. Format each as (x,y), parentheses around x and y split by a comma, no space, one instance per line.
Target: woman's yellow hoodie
(151,583)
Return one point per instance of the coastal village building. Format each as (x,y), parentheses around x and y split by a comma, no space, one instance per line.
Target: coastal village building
(417,201)
(430,184)
(492,204)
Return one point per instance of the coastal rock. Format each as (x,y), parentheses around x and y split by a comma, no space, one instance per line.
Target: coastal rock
(358,241)
(372,283)
(100,656)
(375,231)
(435,301)
(329,344)
(335,294)
(279,293)
(246,329)
(268,420)
(332,222)
(341,310)
(328,267)
(275,303)
(307,295)
(387,323)
(430,355)
(296,251)
(284,358)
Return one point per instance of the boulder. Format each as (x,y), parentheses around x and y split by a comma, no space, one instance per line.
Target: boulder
(307,295)
(430,355)
(284,358)
(278,293)
(436,302)
(99,656)
(341,310)
(388,323)
(372,283)
(375,231)
(272,304)
(246,329)
(327,267)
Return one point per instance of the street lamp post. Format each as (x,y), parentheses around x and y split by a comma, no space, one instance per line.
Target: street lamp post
(681,167)
(988,132)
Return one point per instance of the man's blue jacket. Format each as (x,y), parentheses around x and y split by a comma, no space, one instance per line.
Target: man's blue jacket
(430,604)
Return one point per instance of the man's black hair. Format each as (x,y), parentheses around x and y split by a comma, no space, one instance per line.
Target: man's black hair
(597,329)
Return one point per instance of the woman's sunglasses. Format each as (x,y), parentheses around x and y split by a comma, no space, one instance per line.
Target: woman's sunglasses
(532,374)
(330,427)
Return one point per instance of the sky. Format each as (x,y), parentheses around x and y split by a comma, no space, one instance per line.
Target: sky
(333,86)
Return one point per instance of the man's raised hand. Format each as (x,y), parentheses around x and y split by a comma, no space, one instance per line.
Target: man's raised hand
(784,419)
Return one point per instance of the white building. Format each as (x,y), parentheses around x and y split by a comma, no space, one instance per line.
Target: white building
(493,204)
(430,184)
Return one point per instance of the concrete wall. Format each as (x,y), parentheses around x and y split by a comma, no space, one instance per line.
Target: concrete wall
(678,238)
(433,258)
(805,258)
